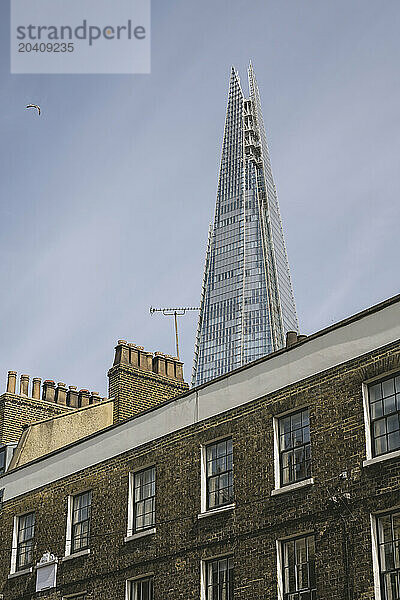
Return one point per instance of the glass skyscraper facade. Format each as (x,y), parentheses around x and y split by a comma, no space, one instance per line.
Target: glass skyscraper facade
(247,303)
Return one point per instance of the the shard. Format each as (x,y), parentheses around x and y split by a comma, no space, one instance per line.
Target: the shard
(247,303)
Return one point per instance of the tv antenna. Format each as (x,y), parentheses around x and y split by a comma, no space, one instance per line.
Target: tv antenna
(174,312)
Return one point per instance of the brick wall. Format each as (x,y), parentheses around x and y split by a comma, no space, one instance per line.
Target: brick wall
(249,531)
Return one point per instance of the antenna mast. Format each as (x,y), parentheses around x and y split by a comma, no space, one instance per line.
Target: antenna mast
(174,312)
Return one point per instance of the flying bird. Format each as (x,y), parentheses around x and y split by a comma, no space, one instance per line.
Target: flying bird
(34,106)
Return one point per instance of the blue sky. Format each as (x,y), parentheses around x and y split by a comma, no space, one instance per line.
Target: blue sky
(105,200)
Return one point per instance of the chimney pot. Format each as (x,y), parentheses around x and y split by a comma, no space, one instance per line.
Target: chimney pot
(11,381)
(132,345)
(121,353)
(170,368)
(145,360)
(36,382)
(24,385)
(134,355)
(94,398)
(72,396)
(159,364)
(291,338)
(61,393)
(83,398)
(179,370)
(49,390)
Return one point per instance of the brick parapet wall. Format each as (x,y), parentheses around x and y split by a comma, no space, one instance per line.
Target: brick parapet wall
(17,411)
(250,531)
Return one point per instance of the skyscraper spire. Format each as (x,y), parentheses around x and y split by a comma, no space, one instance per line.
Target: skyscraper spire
(247,302)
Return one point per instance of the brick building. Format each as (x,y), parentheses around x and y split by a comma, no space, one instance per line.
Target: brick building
(280,480)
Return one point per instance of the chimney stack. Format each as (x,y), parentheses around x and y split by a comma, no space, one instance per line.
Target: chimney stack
(11,381)
(139,380)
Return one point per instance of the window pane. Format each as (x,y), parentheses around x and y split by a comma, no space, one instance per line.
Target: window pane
(393,441)
(376,409)
(375,392)
(388,387)
(381,445)
(389,405)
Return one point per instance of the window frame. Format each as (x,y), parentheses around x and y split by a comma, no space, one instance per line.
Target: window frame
(130,532)
(15,569)
(205,508)
(3,452)
(135,474)
(281,561)
(376,559)
(130,583)
(69,538)
(371,458)
(279,486)
(204,573)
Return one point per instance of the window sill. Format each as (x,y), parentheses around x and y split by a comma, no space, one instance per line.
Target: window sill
(76,555)
(18,573)
(140,534)
(293,487)
(381,458)
(216,511)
